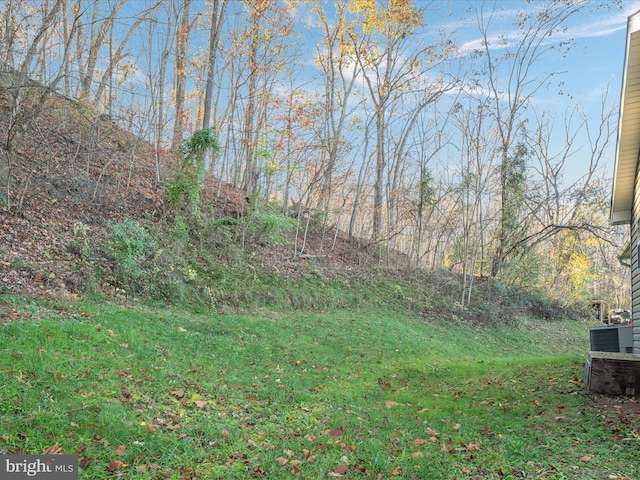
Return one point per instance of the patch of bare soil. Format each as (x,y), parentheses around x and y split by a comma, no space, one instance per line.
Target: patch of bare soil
(615,411)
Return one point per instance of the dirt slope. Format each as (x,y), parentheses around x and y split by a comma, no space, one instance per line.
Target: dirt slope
(66,172)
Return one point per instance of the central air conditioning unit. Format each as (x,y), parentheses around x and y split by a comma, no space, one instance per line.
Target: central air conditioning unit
(612,338)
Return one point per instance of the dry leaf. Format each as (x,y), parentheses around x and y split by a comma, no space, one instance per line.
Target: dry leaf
(391,404)
(115,465)
(585,459)
(295,465)
(397,471)
(53,449)
(120,450)
(419,441)
(341,469)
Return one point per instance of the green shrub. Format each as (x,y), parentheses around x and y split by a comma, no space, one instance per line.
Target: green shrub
(269,227)
(130,245)
(186,187)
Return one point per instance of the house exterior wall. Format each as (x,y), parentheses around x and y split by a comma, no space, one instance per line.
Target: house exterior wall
(635,268)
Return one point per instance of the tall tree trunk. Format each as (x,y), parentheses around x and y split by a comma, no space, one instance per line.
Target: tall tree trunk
(251,168)
(182,42)
(99,31)
(217,16)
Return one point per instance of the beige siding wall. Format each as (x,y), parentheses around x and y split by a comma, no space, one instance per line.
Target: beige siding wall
(635,270)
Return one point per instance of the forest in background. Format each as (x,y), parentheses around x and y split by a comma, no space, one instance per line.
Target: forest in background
(381,130)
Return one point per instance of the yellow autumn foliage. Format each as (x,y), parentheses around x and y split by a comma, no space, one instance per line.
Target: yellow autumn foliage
(394,17)
(580,274)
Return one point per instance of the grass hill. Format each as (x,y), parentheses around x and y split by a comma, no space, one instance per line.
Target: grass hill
(154,343)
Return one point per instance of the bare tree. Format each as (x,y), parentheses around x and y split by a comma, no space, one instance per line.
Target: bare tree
(218,8)
(181,44)
(509,75)
(393,64)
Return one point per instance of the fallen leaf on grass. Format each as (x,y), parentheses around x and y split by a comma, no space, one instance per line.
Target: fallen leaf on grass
(391,404)
(295,465)
(335,433)
(200,403)
(177,393)
(341,469)
(397,471)
(53,449)
(585,459)
(115,465)
(120,450)
(419,441)
(235,458)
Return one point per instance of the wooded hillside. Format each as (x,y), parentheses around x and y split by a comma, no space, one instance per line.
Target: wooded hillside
(382,142)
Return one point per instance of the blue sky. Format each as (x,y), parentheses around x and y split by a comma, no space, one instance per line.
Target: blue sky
(595,62)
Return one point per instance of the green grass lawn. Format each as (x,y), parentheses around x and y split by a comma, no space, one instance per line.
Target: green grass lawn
(147,393)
